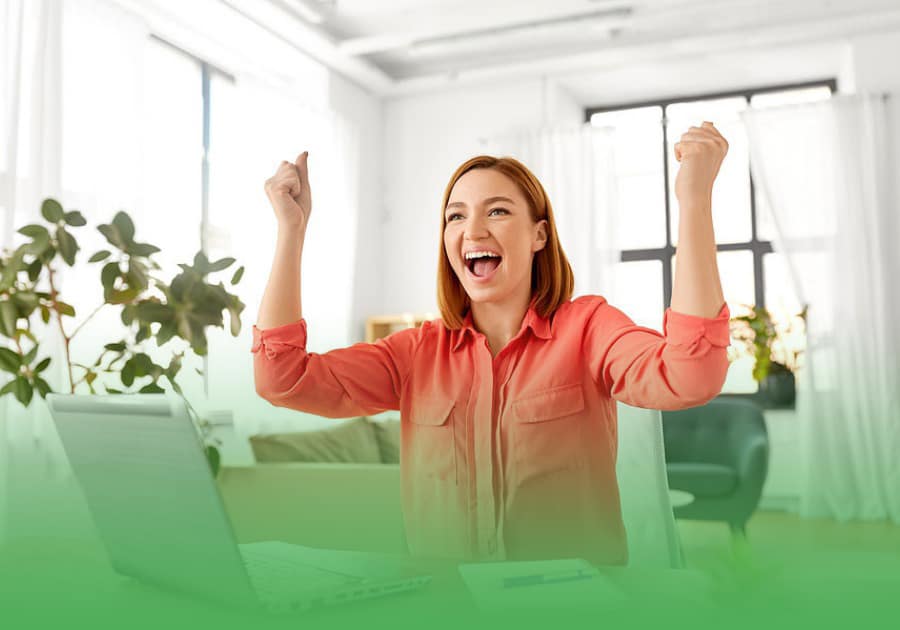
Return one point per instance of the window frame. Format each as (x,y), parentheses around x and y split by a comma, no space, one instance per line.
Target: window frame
(758,248)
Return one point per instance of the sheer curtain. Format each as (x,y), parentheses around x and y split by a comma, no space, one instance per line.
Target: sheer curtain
(575,164)
(828,174)
(68,132)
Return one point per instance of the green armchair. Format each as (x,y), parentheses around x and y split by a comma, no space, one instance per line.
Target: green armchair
(719,453)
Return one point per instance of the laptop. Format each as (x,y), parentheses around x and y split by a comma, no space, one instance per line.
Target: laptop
(141,465)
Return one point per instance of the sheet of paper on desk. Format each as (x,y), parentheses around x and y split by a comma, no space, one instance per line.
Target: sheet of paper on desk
(498,586)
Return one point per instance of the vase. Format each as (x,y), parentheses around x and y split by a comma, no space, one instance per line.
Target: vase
(778,389)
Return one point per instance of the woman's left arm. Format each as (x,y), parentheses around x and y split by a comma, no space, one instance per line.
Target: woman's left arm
(697,289)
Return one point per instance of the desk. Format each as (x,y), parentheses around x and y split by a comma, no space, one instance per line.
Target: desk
(68,585)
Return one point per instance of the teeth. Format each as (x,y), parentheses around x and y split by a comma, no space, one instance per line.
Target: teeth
(471,255)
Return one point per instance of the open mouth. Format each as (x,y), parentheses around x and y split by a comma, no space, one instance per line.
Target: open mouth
(484,266)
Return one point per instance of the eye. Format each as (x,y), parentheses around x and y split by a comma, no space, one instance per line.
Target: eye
(500,209)
(450,218)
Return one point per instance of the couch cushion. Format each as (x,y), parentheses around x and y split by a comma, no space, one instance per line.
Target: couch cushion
(348,441)
(707,480)
(387,436)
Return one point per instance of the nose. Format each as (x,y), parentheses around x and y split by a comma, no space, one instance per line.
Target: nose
(474,228)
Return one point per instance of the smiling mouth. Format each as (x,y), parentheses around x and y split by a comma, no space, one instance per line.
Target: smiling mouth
(484,266)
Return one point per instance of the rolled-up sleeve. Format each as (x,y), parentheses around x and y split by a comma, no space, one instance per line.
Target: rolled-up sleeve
(362,379)
(684,367)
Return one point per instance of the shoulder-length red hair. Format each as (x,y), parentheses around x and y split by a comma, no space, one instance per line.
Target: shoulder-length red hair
(552,281)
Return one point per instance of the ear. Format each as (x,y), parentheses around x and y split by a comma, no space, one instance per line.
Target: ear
(540,235)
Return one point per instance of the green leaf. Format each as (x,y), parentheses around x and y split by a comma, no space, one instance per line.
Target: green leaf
(125,226)
(237,275)
(52,210)
(111,232)
(42,386)
(40,367)
(103,254)
(155,312)
(30,355)
(142,249)
(165,333)
(110,390)
(152,388)
(45,314)
(235,322)
(143,333)
(8,388)
(67,244)
(128,373)
(109,274)
(115,347)
(122,297)
(65,309)
(10,361)
(128,314)
(27,333)
(34,230)
(9,314)
(219,265)
(74,218)
(34,269)
(24,392)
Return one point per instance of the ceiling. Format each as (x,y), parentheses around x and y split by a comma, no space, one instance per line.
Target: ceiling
(397,46)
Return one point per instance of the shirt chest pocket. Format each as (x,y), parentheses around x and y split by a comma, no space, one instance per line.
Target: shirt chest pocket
(546,432)
(433,450)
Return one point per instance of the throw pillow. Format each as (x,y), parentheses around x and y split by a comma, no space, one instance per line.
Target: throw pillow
(352,441)
(387,436)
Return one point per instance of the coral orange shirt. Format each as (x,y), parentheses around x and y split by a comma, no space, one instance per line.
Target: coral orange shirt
(514,456)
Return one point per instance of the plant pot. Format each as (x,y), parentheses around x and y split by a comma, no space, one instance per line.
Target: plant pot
(778,388)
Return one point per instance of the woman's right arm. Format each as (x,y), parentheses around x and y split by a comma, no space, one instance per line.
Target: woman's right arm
(364,379)
(289,193)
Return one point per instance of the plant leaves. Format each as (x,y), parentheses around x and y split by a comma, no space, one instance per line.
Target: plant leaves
(10,361)
(103,254)
(150,311)
(74,218)
(142,249)
(23,390)
(125,226)
(165,333)
(34,269)
(8,388)
(34,230)
(40,367)
(109,274)
(9,314)
(152,388)
(52,210)
(128,372)
(237,275)
(65,309)
(30,355)
(115,347)
(219,265)
(111,232)
(42,386)
(67,244)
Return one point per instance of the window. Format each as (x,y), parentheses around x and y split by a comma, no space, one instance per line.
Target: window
(645,135)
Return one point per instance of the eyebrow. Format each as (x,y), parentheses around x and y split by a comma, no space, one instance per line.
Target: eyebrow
(484,203)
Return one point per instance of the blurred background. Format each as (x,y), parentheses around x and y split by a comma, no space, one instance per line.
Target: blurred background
(177,112)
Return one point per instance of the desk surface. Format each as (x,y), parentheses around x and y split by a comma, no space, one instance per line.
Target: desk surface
(58,583)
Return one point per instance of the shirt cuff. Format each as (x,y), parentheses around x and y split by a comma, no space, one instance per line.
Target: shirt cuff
(684,329)
(279,338)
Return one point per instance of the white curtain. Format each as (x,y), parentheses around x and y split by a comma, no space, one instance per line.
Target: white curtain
(576,166)
(828,174)
(69,132)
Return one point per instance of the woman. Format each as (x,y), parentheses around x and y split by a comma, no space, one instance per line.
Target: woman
(508,402)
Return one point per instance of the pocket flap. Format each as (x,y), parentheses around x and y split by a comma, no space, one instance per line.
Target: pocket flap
(552,403)
(430,410)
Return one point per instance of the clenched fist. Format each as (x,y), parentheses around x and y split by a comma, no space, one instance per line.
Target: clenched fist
(289,193)
(700,152)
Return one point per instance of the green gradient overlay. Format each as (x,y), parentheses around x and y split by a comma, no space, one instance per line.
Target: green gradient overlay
(62,578)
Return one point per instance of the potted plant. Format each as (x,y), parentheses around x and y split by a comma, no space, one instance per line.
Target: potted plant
(151,309)
(776,358)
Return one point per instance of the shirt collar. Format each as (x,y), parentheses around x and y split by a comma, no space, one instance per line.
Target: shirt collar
(540,326)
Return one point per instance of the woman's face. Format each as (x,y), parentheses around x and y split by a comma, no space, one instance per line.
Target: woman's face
(487,212)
